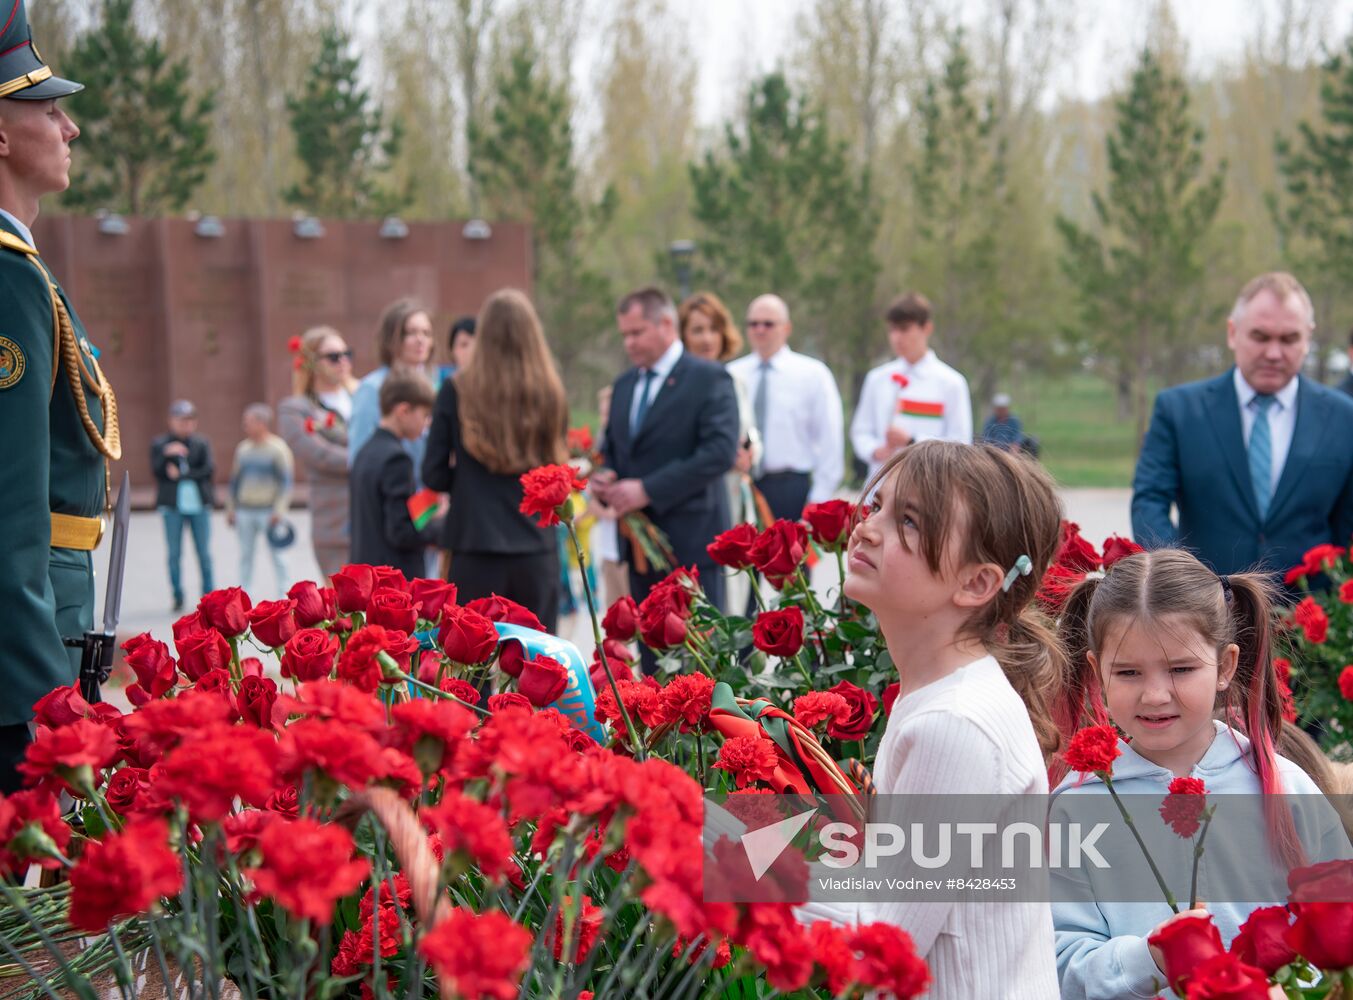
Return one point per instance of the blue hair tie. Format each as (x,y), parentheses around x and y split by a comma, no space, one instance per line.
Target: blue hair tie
(1023,567)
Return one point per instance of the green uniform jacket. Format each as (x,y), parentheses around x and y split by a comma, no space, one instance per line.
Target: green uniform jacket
(49,465)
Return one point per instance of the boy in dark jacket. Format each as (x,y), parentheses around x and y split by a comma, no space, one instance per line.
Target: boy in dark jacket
(381,481)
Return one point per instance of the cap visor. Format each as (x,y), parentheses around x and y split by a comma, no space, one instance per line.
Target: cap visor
(52,87)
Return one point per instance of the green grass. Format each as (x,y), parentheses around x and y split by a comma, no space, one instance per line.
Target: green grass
(1076,421)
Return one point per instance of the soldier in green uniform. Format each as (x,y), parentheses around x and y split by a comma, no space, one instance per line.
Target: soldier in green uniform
(56,409)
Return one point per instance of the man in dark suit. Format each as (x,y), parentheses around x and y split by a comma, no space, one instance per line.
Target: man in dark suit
(671,435)
(1259,461)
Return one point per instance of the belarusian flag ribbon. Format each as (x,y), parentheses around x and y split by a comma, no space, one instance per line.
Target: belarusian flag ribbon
(920,408)
(422,507)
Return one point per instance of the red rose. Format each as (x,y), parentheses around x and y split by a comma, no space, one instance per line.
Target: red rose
(779,550)
(307,867)
(309,655)
(1185,944)
(545,492)
(352,587)
(622,620)
(500,609)
(1226,977)
(273,622)
(1346,682)
(662,629)
(255,700)
(818,707)
(189,623)
(890,696)
(1346,591)
(508,701)
(226,610)
(830,522)
(1262,941)
(478,954)
(462,690)
(154,667)
(388,576)
(431,596)
(1116,547)
(1320,898)
(1093,749)
(1075,552)
(202,652)
(60,707)
(122,875)
(857,724)
(124,785)
(392,608)
(1058,583)
(779,633)
(1183,807)
(732,548)
(313,603)
(748,759)
(543,680)
(465,636)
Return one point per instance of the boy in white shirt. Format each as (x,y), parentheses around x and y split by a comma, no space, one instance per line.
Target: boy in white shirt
(914,397)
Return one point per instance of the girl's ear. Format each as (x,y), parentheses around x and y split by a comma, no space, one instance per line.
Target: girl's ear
(978,585)
(1226,665)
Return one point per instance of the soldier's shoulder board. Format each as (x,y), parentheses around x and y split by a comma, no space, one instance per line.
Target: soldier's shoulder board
(11,242)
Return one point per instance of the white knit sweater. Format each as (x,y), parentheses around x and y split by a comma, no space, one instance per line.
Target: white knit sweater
(968,733)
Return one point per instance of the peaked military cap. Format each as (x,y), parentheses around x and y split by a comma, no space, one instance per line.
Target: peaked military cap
(23,74)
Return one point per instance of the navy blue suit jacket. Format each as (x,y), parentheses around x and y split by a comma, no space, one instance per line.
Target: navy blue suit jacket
(688,440)
(1194,456)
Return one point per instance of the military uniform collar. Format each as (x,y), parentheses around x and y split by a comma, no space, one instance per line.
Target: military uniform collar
(17,227)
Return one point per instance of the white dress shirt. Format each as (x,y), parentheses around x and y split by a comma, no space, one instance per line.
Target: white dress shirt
(25,233)
(804,423)
(1282,420)
(934,403)
(661,369)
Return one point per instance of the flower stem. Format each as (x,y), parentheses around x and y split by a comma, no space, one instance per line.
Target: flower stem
(1198,857)
(639,752)
(1127,818)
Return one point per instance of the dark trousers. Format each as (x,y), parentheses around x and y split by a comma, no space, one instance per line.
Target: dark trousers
(200,524)
(530,580)
(14,742)
(786,493)
(711,581)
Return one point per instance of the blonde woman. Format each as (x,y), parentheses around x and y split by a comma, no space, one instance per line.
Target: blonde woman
(314,423)
(502,414)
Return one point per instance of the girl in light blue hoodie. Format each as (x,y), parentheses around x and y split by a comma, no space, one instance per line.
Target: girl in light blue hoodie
(1180,661)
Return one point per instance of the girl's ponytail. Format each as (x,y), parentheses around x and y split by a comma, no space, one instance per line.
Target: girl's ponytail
(1031,659)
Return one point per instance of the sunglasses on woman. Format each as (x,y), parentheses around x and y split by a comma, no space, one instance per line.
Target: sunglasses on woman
(334,357)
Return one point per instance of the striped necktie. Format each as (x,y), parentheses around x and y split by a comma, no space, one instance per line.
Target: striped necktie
(1261,454)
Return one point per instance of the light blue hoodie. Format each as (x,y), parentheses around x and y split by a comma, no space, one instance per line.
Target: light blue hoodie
(1102,952)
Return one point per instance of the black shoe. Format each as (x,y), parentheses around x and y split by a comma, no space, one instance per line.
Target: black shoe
(178,605)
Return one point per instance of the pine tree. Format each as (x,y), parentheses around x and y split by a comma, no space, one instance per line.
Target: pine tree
(783,210)
(521,158)
(1136,273)
(342,141)
(146,144)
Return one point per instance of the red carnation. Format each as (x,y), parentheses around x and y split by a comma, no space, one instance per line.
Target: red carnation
(900,380)
(359,663)
(830,522)
(732,548)
(309,655)
(123,875)
(779,550)
(1116,547)
(579,440)
(352,587)
(1262,941)
(779,633)
(431,596)
(466,636)
(314,604)
(1093,749)
(500,609)
(473,830)
(201,652)
(748,759)
(546,492)
(1185,943)
(860,719)
(226,610)
(391,608)
(307,867)
(1312,619)
(212,767)
(1184,805)
(622,620)
(1075,552)
(686,699)
(543,679)
(1058,583)
(886,960)
(31,828)
(1346,682)
(818,707)
(478,954)
(586,925)
(71,754)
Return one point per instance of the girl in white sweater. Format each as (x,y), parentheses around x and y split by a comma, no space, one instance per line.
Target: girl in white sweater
(949,558)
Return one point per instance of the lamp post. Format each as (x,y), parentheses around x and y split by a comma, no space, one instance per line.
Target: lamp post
(682,251)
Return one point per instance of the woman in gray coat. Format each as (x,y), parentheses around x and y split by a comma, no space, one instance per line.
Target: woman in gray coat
(314,422)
